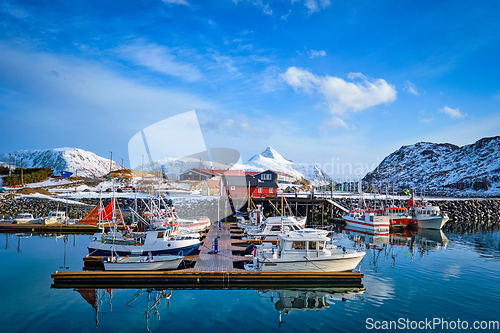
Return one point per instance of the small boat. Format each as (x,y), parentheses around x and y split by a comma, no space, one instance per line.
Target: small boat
(142,263)
(193,225)
(24,218)
(429,216)
(271,227)
(370,220)
(55,217)
(303,252)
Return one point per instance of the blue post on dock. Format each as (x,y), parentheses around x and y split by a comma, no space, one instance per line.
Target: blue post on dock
(216,245)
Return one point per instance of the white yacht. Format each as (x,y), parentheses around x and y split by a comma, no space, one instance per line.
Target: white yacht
(430,217)
(303,252)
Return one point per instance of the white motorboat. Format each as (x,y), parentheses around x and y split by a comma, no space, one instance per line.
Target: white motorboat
(193,225)
(429,216)
(303,252)
(370,220)
(271,227)
(55,217)
(142,263)
(25,218)
(157,241)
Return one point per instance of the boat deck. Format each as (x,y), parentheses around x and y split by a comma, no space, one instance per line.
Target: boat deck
(210,270)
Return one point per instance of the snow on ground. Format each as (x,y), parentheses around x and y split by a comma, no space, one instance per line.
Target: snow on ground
(48,197)
(51,182)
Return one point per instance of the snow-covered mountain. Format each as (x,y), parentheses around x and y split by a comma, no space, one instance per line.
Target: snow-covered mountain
(271,159)
(442,167)
(62,159)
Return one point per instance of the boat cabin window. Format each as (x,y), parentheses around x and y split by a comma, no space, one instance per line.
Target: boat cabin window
(275,228)
(299,245)
(321,245)
(160,234)
(312,245)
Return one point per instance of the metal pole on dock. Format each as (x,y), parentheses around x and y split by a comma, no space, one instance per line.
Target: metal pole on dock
(218,216)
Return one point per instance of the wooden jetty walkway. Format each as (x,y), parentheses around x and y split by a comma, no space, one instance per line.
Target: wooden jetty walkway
(210,271)
(8,227)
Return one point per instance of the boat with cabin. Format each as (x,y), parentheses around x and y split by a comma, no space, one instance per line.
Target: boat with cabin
(374,220)
(303,252)
(55,217)
(158,241)
(429,216)
(25,218)
(271,227)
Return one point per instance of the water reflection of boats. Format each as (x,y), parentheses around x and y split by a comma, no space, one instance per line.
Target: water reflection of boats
(95,298)
(367,236)
(309,299)
(431,239)
(434,235)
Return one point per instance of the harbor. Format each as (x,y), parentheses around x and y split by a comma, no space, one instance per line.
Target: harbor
(222,269)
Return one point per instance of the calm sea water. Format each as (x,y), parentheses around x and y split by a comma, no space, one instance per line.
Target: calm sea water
(408,279)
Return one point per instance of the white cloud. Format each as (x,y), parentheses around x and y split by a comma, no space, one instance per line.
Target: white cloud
(176,2)
(340,95)
(315,5)
(411,88)
(314,53)
(337,122)
(158,58)
(454,113)
(14,10)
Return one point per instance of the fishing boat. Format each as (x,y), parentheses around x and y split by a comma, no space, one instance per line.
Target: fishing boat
(255,217)
(375,220)
(303,252)
(142,263)
(398,216)
(158,241)
(429,216)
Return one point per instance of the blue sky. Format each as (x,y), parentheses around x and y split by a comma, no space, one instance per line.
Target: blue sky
(320,81)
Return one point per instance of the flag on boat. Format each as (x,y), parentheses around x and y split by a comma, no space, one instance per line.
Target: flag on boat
(96,215)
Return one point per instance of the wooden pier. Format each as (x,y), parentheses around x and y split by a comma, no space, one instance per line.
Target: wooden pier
(8,227)
(210,271)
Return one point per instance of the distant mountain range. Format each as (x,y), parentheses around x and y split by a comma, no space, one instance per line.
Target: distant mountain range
(271,159)
(268,159)
(432,168)
(87,163)
(443,168)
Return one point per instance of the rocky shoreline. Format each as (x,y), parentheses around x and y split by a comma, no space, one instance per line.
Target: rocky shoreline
(465,215)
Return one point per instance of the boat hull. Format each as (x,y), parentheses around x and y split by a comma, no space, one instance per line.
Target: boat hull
(342,264)
(432,222)
(382,227)
(134,264)
(105,249)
